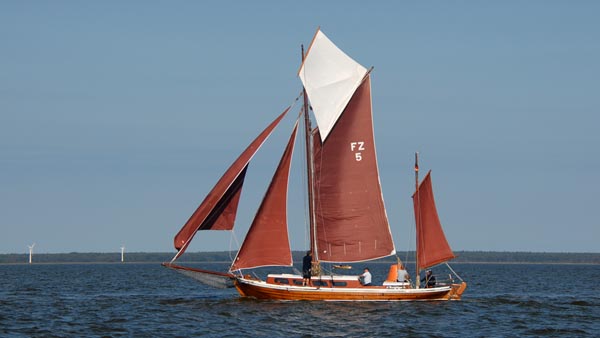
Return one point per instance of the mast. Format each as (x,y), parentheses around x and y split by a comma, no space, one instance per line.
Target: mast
(417,219)
(310,171)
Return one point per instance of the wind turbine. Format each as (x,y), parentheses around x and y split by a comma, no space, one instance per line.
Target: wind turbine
(30,251)
(122,254)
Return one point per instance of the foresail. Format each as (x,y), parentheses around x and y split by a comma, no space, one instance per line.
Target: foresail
(330,78)
(218,210)
(432,246)
(350,214)
(267,242)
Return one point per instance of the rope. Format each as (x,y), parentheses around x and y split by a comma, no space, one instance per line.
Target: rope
(233,238)
(448,265)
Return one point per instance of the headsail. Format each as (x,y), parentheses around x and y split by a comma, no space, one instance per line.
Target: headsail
(267,242)
(432,246)
(351,220)
(218,210)
(330,78)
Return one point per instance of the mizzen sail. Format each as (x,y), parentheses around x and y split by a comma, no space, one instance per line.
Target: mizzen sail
(267,242)
(351,220)
(218,210)
(432,246)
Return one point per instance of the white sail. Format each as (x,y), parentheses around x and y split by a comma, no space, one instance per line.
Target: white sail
(330,78)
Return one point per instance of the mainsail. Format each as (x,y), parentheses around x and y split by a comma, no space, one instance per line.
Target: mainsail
(218,210)
(267,242)
(432,246)
(351,220)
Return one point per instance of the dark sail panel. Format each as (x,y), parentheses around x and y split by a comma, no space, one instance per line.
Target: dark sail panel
(222,217)
(267,242)
(350,214)
(432,246)
(217,211)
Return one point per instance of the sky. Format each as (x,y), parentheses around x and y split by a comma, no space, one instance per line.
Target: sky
(117,117)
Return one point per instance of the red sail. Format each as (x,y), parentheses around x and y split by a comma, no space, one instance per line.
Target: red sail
(267,242)
(432,246)
(218,210)
(350,214)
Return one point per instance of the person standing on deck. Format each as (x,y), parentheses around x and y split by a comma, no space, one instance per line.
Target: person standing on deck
(428,280)
(366,276)
(403,275)
(306,266)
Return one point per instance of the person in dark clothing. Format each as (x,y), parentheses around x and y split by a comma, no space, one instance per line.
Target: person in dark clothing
(429,280)
(306,266)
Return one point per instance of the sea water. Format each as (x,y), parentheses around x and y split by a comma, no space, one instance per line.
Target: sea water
(147,300)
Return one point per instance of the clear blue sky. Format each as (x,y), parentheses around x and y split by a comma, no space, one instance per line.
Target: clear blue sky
(116,117)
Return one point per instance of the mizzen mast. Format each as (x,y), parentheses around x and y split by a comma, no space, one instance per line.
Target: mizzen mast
(417,219)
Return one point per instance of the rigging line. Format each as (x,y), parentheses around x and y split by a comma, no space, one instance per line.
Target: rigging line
(307,225)
(449,267)
(418,221)
(294,103)
(411,238)
(299,96)
(304,176)
(318,205)
(233,238)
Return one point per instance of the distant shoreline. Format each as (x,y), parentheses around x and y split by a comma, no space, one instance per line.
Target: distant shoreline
(299,262)
(466,257)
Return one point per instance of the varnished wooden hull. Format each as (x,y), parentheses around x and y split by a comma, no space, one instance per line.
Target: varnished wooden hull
(262,290)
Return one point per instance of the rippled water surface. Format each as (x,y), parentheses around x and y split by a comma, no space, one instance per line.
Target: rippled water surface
(503,300)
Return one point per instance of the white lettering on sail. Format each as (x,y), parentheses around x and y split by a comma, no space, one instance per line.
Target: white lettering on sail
(357,147)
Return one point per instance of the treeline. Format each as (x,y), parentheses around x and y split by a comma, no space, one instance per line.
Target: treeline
(115,257)
(226,256)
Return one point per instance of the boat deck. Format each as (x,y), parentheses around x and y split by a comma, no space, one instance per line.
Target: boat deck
(333,281)
(339,288)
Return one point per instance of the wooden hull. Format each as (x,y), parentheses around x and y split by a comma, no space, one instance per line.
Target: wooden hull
(263,290)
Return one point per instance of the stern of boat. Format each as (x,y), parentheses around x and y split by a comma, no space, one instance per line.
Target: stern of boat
(457,291)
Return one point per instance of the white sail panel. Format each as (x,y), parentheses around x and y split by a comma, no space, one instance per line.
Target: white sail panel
(330,78)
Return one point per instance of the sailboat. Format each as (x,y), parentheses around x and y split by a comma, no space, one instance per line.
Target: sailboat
(346,212)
